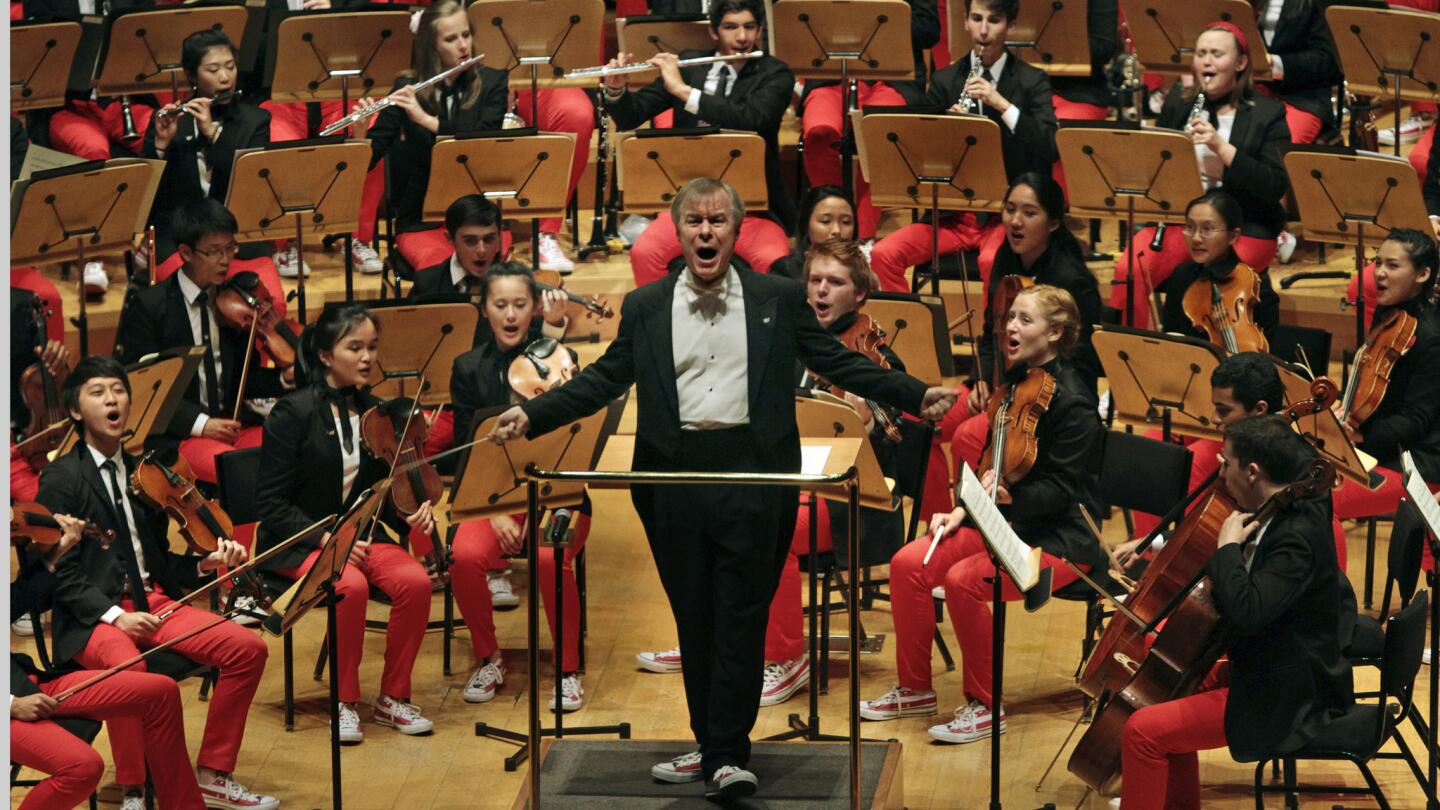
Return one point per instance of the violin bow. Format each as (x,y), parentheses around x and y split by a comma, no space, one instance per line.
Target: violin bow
(245,367)
(132,661)
(240,570)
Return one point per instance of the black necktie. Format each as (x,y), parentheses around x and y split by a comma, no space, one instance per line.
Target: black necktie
(212,380)
(341,397)
(471,285)
(127,544)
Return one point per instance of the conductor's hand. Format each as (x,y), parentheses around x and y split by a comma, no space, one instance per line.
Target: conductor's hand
(422,519)
(137,625)
(616,82)
(222,430)
(1124,553)
(979,398)
(938,400)
(507,531)
(31,708)
(512,424)
(227,553)
(670,73)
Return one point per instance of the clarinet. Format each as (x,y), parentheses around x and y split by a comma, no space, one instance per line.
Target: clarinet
(971,104)
(1197,110)
(128,119)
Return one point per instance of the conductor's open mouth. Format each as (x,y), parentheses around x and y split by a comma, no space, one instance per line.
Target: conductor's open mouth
(707,253)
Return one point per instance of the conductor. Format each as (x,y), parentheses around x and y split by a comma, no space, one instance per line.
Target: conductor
(712,352)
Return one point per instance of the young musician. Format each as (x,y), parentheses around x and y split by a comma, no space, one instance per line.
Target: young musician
(1042,327)
(750,95)
(1279,592)
(469,101)
(826,213)
(1039,250)
(107,599)
(316,465)
(1213,224)
(181,312)
(1238,136)
(712,359)
(1014,95)
(478,384)
(472,229)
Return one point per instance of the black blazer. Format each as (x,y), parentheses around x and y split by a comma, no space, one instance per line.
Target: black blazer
(434,280)
(1060,269)
(1430,187)
(1101,26)
(1288,678)
(1031,147)
(304,472)
(756,103)
(1312,67)
(27,333)
(1257,176)
(90,579)
(158,319)
(1173,317)
(781,330)
(1408,418)
(393,133)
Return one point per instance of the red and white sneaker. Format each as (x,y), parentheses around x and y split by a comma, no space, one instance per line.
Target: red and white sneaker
(485,681)
(972,722)
(223,792)
(682,769)
(662,661)
(783,679)
(401,716)
(572,697)
(899,702)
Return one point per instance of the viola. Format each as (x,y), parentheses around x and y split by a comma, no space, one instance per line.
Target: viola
(1389,339)
(242,302)
(171,489)
(1225,310)
(541,366)
(32,523)
(595,307)
(1001,299)
(1015,411)
(395,432)
(865,336)
(49,420)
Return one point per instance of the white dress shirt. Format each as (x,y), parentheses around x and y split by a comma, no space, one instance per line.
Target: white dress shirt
(1011,116)
(710,352)
(1268,21)
(718,82)
(1212,168)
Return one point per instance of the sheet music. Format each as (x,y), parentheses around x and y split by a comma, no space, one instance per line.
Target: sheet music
(1420,493)
(1017,557)
(813,458)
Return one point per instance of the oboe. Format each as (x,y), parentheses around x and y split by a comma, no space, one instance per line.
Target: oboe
(1197,111)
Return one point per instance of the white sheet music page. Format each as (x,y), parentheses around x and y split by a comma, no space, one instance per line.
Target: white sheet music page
(1021,561)
(1420,493)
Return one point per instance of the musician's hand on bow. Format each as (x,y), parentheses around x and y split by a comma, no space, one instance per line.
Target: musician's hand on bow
(507,531)
(56,359)
(136,624)
(221,430)
(552,306)
(1236,530)
(670,72)
(227,554)
(1124,553)
(512,424)
(942,523)
(71,531)
(617,81)
(937,402)
(422,519)
(30,708)
(1204,133)
(977,88)
(992,483)
(979,398)
(405,99)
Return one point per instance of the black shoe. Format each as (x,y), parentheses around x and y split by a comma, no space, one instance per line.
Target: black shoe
(731,783)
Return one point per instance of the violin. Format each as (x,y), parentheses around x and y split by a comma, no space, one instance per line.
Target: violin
(1224,310)
(865,336)
(31,523)
(170,488)
(1014,413)
(596,308)
(49,420)
(242,302)
(1001,299)
(1389,339)
(540,368)
(395,432)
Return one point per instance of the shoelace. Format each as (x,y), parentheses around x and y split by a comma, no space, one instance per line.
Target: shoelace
(688,759)
(236,791)
(349,718)
(404,711)
(773,674)
(570,687)
(486,676)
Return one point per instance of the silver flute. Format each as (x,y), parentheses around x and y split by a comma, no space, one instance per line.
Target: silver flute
(389,101)
(602,71)
(968,102)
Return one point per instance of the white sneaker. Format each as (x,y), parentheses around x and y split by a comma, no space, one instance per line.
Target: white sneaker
(867,245)
(972,722)
(248,612)
(502,593)
(572,697)
(664,661)
(1426,656)
(350,732)
(1285,247)
(366,259)
(484,681)
(223,792)
(22,626)
(783,680)
(899,702)
(552,256)
(1410,131)
(731,782)
(96,282)
(133,801)
(1103,407)
(401,716)
(287,263)
(678,771)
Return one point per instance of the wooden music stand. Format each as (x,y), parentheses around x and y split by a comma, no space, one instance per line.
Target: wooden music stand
(564,35)
(412,334)
(645,36)
(289,191)
(1156,377)
(1389,53)
(663,162)
(155,64)
(1120,172)
(324,57)
(1341,192)
(832,434)
(1164,32)
(157,383)
(71,213)
(940,162)
(1050,39)
(40,60)
(915,329)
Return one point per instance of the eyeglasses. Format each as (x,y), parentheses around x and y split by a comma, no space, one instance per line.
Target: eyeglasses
(1205,232)
(214,253)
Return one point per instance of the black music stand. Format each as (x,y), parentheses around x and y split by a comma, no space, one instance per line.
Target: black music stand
(88,209)
(40,60)
(295,188)
(154,66)
(492,482)
(1164,33)
(849,40)
(1387,52)
(1340,191)
(1424,502)
(1159,377)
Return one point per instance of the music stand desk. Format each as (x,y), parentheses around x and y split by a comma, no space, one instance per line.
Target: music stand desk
(155,65)
(528,174)
(1164,32)
(412,334)
(1051,42)
(329,57)
(644,36)
(652,168)
(1159,380)
(40,60)
(545,38)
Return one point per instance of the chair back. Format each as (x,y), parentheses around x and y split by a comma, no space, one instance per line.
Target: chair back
(1404,647)
(236,474)
(1305,345)
(1142,473)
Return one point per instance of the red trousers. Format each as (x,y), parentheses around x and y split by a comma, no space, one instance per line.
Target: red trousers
(149,703)
(86,129)
(1420,154)
(1156,267)
(910,246)
(1354,501)
(289,121)
(1158,747)
(201,452)
(1304,126)
(476,549)
(563,109)
(1368,274)
(24,481)
(761,242)
(426,248)
(401,577)
(820,128)
(264,267)
(30,278)
(962,566)
(239,655)
(785,635)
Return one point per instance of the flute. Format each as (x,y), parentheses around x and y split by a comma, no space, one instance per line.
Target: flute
(389,101)
(219,98)
(602,71)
